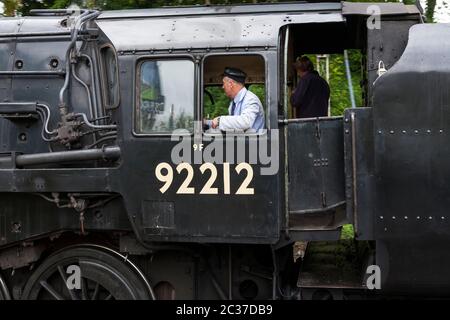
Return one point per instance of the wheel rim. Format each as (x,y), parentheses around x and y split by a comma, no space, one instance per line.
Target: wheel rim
(103,276)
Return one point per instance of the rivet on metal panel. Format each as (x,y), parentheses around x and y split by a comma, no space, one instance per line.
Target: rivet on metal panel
(380,132)
(246,48)
(404,131)
(428,131)
(440,131)
(430,218)
(19,64)
(170,50)
(406,218)
(347,131)
(54,62)
(393,217)
(346,120)
(442,218)
(391,132)
(416,131)
(418,218)
(381,217)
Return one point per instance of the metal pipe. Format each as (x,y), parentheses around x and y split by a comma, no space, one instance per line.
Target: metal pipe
(95,126)
(91,69)
(97,83)
(349,79)
(101,140)
(47,120)
(43,118)
(78,24)
(32,73)
(87,91)
(108,153)
(300,120)
(54,12)
(34,34)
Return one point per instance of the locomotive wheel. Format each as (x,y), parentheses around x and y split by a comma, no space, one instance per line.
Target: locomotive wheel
(105,275)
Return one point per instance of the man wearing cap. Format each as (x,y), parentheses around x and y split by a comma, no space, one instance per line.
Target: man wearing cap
(245,111)
(310,98)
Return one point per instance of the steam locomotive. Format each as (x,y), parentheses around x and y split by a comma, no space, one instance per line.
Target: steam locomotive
(107,173)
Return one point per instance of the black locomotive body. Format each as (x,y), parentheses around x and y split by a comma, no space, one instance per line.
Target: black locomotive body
(105,164)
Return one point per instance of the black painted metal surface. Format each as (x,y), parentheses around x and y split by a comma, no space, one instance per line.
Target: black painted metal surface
(316,165)
(411,144)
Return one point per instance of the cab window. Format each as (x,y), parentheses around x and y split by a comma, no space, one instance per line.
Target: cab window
(215,102)
(165,96)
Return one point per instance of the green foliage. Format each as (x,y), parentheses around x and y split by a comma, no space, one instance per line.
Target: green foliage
(429,10)
(149,94)
(10,7)
(347,232)
(340,93)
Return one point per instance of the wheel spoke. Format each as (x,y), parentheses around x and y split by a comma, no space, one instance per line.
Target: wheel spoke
(51,290)
(84,289)
(73,296)
(109,297)
(97,289)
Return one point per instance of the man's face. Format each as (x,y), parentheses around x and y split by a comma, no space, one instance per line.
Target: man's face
(228,87)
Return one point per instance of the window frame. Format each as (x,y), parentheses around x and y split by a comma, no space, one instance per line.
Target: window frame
(104,77)
(137,81)
(266,102)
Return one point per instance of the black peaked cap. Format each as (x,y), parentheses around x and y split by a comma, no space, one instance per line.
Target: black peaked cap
(235,74)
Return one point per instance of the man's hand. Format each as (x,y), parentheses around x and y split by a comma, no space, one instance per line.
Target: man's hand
(215,123)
